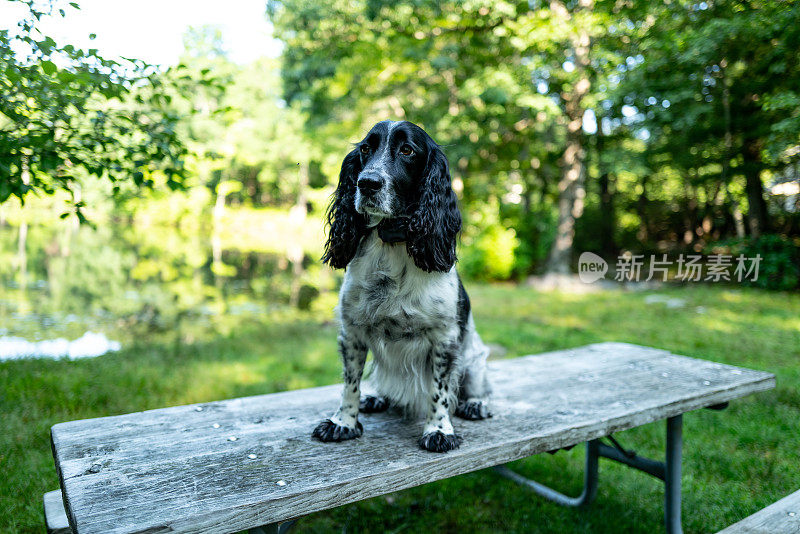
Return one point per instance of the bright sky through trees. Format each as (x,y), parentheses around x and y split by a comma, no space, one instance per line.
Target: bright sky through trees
(153,30)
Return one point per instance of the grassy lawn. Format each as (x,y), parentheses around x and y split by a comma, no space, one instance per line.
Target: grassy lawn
(735,462)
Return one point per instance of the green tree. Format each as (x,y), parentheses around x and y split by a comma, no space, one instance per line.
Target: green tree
(453,68)
(66,113)
(572,50)
(237,126)
(716,91)
(503,85)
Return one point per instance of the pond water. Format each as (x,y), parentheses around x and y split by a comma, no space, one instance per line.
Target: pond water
(78,291)
(89,345)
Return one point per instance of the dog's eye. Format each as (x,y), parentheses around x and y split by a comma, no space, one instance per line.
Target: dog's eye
(406,150)
(364,149)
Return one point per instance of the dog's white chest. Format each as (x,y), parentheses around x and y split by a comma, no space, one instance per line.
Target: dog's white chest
(383,288)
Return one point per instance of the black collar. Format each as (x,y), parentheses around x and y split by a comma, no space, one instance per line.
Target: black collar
(393,230)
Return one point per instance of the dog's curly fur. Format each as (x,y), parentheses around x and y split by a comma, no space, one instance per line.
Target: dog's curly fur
(393,222)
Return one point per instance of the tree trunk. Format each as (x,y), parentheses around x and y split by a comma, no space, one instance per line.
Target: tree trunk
(607,218)
(22,242)
(22,254)
(607,215)
(642,206)
(757,211)
(738,219)
(691,217)
(297,216)
(726,158)
(571,190)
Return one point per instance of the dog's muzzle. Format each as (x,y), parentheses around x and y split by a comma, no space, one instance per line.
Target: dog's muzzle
(372,195)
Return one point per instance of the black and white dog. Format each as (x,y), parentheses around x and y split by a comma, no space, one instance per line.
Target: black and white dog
(393,225)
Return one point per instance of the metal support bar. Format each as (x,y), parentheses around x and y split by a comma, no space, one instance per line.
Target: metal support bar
(630,453)
(668,471)
(274,528)
(646,465)
(589,481)
(672,482)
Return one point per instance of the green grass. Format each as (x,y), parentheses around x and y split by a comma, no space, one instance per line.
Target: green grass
(735,462)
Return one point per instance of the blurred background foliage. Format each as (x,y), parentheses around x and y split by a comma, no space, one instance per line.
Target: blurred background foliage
(570,126)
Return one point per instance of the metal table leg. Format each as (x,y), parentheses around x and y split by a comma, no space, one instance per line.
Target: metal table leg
(672,480)
(668,471)
(589,481)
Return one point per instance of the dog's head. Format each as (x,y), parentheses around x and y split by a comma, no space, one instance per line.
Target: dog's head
(396,175)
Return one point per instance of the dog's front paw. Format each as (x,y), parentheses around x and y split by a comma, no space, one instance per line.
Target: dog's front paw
(330,431)
(439,441)
(472,410)
(371,404)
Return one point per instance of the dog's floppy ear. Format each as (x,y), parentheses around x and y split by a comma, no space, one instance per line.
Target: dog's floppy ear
(432,230)
(347,226)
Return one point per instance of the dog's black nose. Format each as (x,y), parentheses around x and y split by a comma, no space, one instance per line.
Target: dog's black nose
(368,184)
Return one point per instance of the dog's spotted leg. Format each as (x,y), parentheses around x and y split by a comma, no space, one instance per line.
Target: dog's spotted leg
(373,404)
(473,409)
(438,435)
(344,423)
(473,392)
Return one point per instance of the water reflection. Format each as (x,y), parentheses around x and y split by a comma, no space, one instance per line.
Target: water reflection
(89,345)
(125,280)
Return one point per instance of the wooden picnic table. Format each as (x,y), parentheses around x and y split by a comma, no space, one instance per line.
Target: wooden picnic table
(239,464)
(782,517)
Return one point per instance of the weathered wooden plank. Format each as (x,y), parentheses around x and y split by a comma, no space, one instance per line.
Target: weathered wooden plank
(230,465)
(782,517)
(55,518)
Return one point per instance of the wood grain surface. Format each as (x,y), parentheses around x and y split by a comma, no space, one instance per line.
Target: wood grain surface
(55,518)
(782,517)
(226,466)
